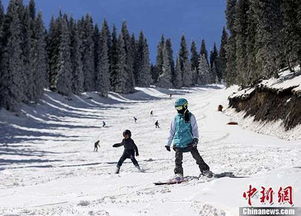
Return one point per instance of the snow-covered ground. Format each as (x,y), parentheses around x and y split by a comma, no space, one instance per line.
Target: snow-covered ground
(48,167)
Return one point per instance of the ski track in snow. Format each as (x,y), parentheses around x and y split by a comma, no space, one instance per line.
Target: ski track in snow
(48,167)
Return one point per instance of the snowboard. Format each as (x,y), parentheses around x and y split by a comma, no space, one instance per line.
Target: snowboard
(176,180)
(201,178)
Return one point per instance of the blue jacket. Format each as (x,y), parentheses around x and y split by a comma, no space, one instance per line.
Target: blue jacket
(182,133)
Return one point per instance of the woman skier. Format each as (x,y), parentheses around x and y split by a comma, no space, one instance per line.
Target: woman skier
(130,149)
(185,136)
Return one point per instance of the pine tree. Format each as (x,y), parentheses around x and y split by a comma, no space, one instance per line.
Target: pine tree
(103,68)
(38,56)
(76,60)
(178,79)
(165,79)
(159,58)
(121,69)
(231,69)
(204,50)
(143,62)
(214,61)
(169,50)
(130,55)
(12,71)
(203,71)
(241,26)
(53,42)
(32,9)
(64,76)
(86,30)
(114,60)
(194,62)
(184,63)
(291,29)
(27,31)
(222,55)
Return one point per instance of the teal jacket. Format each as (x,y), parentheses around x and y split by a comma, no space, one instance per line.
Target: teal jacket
(182,133)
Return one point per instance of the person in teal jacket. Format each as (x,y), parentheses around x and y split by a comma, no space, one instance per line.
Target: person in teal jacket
(185,136)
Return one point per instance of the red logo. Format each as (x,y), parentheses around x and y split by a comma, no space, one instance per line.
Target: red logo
(285,195)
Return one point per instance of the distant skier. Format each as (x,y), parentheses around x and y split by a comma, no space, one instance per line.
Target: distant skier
(130,149)
(96,146)
(184,135)
(151,113)
(170,96)
(103,124)
(135,119)
(157,124)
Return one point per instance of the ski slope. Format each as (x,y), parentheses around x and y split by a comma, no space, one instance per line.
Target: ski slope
(48,167)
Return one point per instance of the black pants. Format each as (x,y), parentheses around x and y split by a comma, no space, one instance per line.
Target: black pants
(195,154)
(127,154)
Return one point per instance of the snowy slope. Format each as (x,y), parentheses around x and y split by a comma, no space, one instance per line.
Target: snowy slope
(48,167)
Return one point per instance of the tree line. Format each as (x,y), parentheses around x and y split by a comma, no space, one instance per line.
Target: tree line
(264,36)
(75,56)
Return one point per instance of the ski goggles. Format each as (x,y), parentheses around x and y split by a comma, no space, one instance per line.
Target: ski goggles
(181,106)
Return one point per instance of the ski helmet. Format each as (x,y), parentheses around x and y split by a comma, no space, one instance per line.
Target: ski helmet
(181,104)
(127,132)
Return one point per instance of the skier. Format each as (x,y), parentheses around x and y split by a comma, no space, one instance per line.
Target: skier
(157,124)
(135,119)
(130,149)
(151,113)
(96,145)
(103,123)
(184,135)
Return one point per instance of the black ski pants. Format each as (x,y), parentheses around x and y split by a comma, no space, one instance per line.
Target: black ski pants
(195,154)
(128,154)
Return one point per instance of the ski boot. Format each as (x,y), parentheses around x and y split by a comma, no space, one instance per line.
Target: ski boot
(206,173)
(139,169)
(179,177)
(117,170)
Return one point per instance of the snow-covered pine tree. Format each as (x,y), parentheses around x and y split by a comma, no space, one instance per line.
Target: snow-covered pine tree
(96,42)
(32,9)
(214,61)
(159,58)
(213,73)
(134,47)
(64,76)
(292,27)
(178,79)
(114,60)
(86,30)
(143,62)
(53,42)
(103,68)
(130,55)
(222,55)
(203,50)
(269,19)
(168,46)
(76,60)
(194,62)
(241,26)
(27,31)
(38,57)
(121,68)
(203,71)
(185,63)
(231,69)
(12,71)
(165,79)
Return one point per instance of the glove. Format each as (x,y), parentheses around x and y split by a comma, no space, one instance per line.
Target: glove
(137,154)
(195,142)
(167,148)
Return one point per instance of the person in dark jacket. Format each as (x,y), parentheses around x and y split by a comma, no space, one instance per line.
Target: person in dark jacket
(130,150)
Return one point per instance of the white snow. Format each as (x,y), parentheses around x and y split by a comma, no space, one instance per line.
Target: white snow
(48,167)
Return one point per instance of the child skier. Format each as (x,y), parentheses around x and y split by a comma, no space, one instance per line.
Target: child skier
(184,135)
(130,149)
